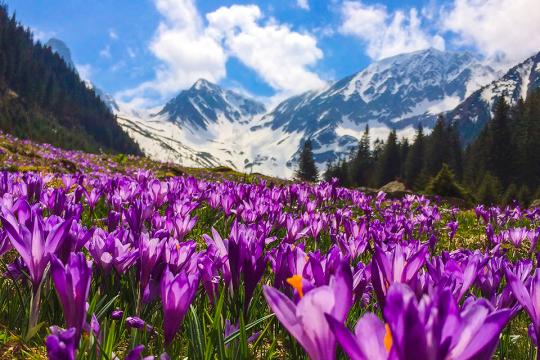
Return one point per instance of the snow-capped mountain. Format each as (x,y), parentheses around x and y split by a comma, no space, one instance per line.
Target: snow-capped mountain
(206,125)
(60,47)
(206,103)
(473,113)
(394,93)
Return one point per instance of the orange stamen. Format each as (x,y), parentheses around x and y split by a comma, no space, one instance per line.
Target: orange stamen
(296,282)
(388,338)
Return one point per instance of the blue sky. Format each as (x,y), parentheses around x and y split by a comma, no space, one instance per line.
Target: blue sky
(145,51)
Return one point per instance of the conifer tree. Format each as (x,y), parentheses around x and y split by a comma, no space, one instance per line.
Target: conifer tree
(501,155)
(415,159)
(388,165)
(436,149)
(489,192)
(307,170)
(445,184)
(362,162)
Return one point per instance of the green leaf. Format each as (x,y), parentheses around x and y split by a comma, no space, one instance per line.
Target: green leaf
(250,326)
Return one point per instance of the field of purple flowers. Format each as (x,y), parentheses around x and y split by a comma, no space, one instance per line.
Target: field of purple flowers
(106,265)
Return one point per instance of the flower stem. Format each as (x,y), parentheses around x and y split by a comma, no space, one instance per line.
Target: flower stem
(34,312)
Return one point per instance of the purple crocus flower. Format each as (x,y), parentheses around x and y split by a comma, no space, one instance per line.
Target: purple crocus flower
(306,320)
(34,244)
(400,265)
(177,294)
(432,329)
(72,284)
(135,322)
(529,298)
(35,247)
(136,354)
(452,228)
(150,250)
(117,314)
(61,344)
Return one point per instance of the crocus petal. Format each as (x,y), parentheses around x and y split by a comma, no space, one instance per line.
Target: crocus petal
(345,339)
(482,345)
(135,353)
(370,333)
(285,311)
(520,292)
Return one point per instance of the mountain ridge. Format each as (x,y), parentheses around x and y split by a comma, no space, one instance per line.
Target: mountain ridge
(395,93)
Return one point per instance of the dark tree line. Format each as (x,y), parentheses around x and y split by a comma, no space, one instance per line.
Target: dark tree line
(501,165)
(43,99)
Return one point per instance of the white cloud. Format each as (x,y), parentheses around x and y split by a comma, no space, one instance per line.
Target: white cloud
(41,35)
(189,49)
(187,53)
(302,4)
(387,33)
(105,52)
(112,34)
(85,71)
(503,30)
(280,56)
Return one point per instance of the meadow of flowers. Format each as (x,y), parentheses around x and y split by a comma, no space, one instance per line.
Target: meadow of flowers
(103,265)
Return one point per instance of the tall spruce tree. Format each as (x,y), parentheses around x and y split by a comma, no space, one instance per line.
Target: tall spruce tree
(307,170)
(415,160)
(501,155)
(436,149)
(362,162)
(388,165)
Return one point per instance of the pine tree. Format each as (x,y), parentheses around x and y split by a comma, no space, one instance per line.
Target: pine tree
(490,189)
(454,154)
(510,195)
(445,184)
(501,155)
(524,195)
(307,170)
(415,159)
(388,165)
(362,161)
(436,149)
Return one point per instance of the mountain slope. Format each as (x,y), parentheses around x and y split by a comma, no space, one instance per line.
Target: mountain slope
(473,113)
(393,93)
(42,98)
(59,47)
(206,124)
(204,103)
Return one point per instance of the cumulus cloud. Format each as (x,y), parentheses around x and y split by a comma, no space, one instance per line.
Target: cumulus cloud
(185,51)
(280,56)
(189,48)
(507,31)
(387,33)
(302,4)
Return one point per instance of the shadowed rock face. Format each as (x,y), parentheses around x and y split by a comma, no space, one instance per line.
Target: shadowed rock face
(204,102)
(473,113)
